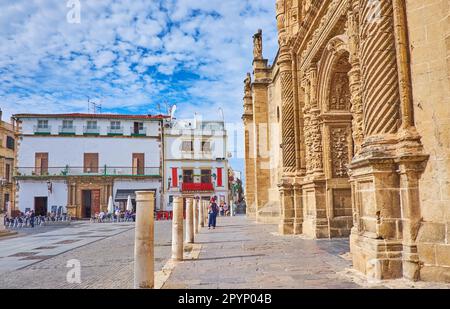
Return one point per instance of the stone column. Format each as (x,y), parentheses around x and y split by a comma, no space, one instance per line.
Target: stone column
(249,143)
(205,211)
(196,215)
(298,209)
(410,172)
(287,113)
(260,126)
(290,150)
(377,246)
(2,223)
(144,241)
(355,75)
(177,229)
(189,220)
(315,222)
(201,213)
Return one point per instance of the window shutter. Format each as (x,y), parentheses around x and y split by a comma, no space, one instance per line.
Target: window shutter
(219,177)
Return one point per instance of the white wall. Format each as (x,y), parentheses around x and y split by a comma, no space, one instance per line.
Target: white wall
(70,151)
(28,125)
(30,189)
(139,185)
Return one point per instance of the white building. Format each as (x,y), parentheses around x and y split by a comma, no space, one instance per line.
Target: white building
(195,160)
(79,160)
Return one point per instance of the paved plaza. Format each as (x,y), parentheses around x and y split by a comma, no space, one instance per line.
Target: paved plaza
(239,254)
(105,252)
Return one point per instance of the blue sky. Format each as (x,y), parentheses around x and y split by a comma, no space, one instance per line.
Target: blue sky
(131,56)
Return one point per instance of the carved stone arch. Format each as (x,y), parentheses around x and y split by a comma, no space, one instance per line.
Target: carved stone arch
(336,50)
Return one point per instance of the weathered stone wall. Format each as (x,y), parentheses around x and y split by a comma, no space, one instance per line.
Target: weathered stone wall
(364,87)
(276,163)
(429,31)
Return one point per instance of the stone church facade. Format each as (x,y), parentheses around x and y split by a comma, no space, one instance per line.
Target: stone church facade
(347,133)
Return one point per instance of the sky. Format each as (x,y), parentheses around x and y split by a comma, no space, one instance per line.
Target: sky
(132,57)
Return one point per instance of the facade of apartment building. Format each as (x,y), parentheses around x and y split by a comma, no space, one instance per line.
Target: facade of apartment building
(195,160)
(7,158)
(78,161)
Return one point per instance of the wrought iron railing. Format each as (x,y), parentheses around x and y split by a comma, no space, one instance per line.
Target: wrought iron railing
(87,171)
(195,187)
(42,130)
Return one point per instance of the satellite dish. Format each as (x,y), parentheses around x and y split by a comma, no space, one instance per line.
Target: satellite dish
(172,111)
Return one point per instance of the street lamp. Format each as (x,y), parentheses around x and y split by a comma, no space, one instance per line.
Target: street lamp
(49,186)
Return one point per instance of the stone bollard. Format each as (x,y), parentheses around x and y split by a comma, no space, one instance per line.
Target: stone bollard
(177,229)
(144,275)
(189,220)
(206,213)
(201,212)
(196,217)
(2,223)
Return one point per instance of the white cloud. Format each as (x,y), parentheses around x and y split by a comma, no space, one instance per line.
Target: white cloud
(130,55)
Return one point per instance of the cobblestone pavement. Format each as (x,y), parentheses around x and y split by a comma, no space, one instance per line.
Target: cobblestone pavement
(240,254)
(105,252)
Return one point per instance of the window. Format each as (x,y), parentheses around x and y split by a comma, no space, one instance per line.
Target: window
(138,127)
(206,176)
(187,146)
(92,124)
(206,146)
(41,163)
(42,124)
(138,164)
(10,142)
(8,172)
(115,125)
(67,124)
(90,163)
(188,176)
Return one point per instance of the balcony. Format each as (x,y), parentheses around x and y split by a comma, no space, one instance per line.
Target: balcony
(66,130)
(118,171)
(91,130)
(196,187)
(138,132)
(42,130)
(115,131)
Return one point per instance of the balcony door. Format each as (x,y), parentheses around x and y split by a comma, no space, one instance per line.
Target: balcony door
(90,163)
(138,164)
(41,163)
(206,176)
(188,176)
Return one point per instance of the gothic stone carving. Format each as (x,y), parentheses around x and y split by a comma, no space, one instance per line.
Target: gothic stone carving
(339,152)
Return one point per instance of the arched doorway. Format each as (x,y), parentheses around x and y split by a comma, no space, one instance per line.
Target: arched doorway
(336,121)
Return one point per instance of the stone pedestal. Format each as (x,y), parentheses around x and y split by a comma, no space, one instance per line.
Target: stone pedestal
(189,220)
(315,221)
(286,226)
(144,241)
(177,229)
(376,242)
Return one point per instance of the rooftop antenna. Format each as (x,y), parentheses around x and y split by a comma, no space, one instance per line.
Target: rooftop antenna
(158,105)
(93,107)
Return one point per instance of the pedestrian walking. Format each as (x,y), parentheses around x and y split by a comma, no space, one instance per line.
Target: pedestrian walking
(32,218)
(213,210)
(221,209)
(225,209)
